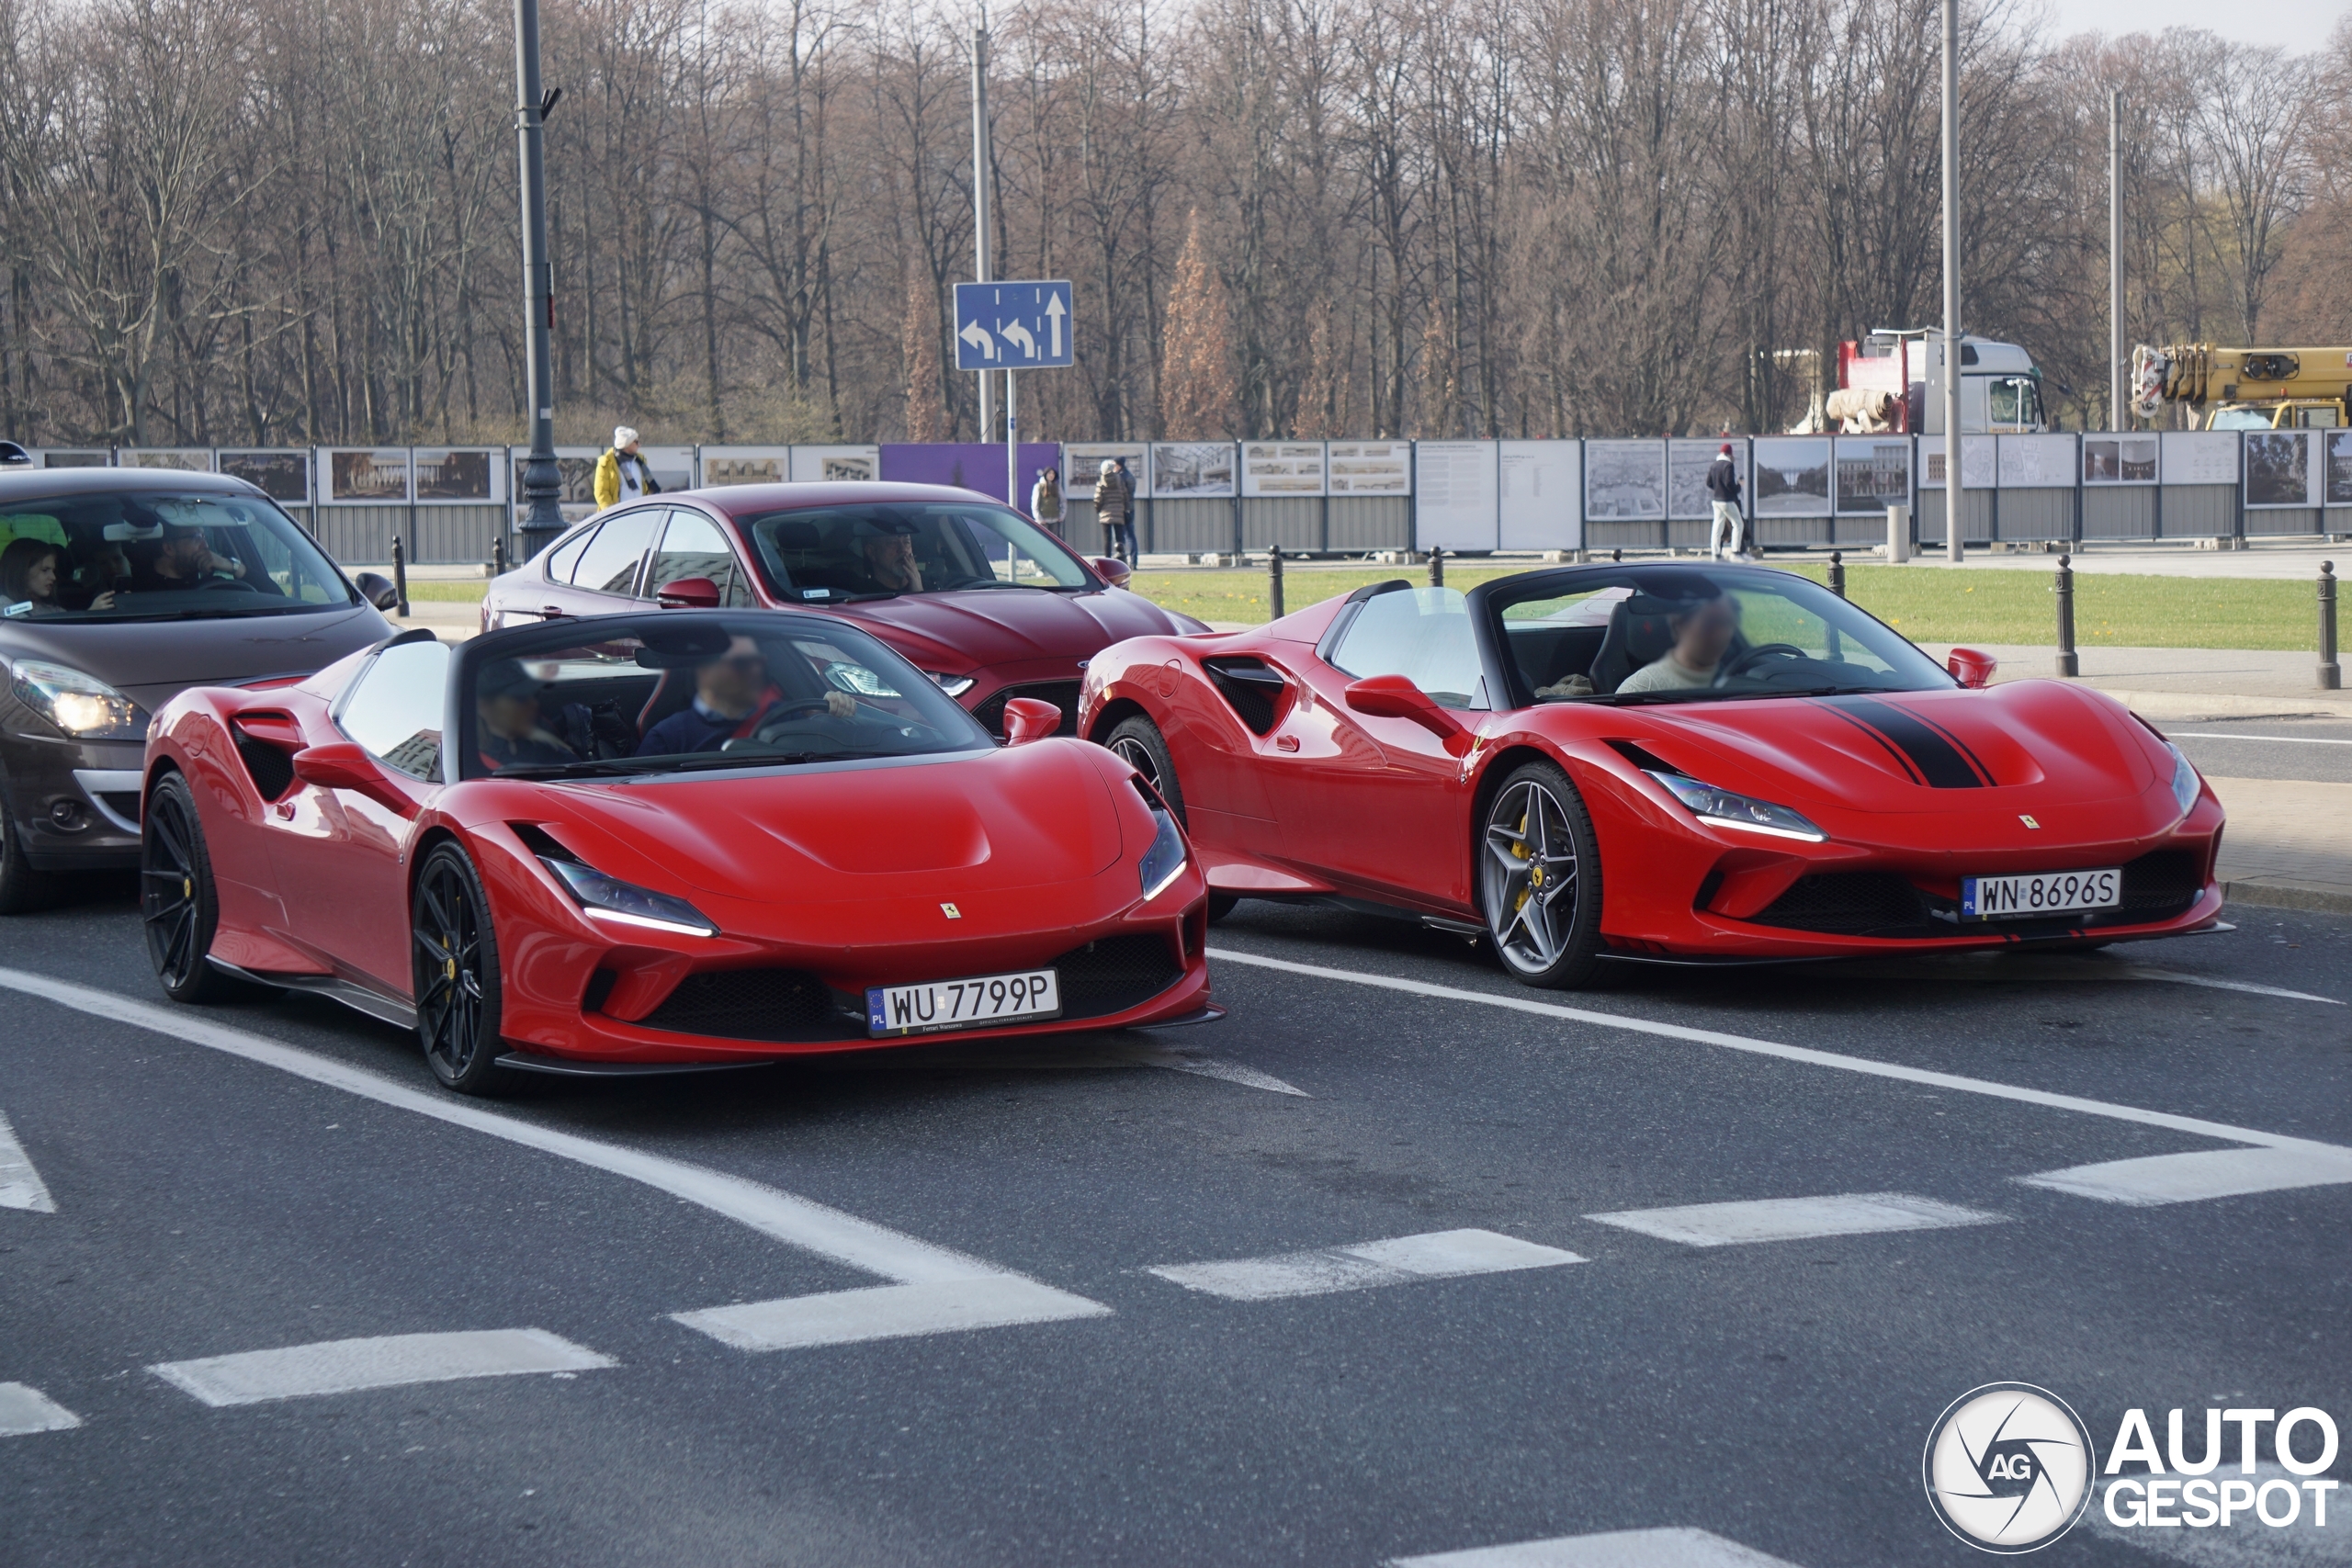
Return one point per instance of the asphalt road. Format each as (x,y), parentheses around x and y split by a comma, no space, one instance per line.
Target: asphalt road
(219,1194)
(2319,750)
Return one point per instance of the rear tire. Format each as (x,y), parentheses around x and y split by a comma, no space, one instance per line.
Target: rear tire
(1539,879)
(458,999)
(1221,905)
(1137,741)
(178,902)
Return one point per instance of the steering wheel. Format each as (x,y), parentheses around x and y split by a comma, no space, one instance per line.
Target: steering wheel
(211,583)
(1748,659)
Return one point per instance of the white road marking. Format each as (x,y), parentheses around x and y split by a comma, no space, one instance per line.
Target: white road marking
(2157,1180)
(25,1410)
(20,1185)
(2289,740)
(2144,972)
(347,1366)
(1796,1219)
(1681,1547)
(888,1312)
(2323,1154)
(1439,1255)
(797,1220)
(1211,1068)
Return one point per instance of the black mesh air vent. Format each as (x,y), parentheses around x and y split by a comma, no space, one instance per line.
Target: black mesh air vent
(1251,688)
(1115,974)
(1845,903)
(1063,695)
(753,1004)
(272,769)
(2162,884)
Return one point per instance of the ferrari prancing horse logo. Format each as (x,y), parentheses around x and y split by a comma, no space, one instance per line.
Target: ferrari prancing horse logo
(2028,821)
(951,911)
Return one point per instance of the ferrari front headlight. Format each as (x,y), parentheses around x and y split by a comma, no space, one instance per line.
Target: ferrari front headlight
(2185,782)
(954,685)
(624,903)
(80,705)
(1165,860)
(1722,808)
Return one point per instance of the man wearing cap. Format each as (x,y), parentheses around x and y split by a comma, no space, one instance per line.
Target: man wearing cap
(1723,485)
(510,731)
(622,473)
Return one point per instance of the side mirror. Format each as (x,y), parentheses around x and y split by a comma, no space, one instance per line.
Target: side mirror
(1027,719)
(341,764)
(1110,570)
(1972,669)
(1394,697)
(378,590)
(689,593)
(13,455)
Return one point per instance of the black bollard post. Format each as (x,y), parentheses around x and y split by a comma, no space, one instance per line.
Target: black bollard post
(2331,673)
(1437,568)
(1617,555)
(1837,573)
(400,576)
(498,552)
(1274,579)
(2069,662)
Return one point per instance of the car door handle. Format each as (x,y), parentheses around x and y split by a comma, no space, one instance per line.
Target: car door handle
(551,612)
(1286,742)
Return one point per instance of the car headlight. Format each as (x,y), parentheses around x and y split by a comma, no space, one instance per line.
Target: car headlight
(624,903)
(2185,782)
(1722,808)
(1166,858)
(78,703)
(954,685)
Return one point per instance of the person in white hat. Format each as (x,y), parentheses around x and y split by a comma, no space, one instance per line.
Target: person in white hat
(622,473)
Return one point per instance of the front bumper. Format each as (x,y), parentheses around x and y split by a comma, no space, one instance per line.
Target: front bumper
(75,804)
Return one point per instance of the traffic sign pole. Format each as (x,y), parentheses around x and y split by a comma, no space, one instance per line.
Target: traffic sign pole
(1011,443)
(980,189)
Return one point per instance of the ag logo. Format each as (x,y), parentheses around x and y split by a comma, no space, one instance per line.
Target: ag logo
(2008,1467)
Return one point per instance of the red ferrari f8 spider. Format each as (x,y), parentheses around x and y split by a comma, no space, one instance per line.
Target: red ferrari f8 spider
(658,841)
(1682,763)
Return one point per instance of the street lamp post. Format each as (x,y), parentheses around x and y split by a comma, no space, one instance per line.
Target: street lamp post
(541,515)
(1952,443)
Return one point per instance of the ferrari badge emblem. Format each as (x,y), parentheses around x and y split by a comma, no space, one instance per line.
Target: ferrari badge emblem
(2028,821)
(951,911)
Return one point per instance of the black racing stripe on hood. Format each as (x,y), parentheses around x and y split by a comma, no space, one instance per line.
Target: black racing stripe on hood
(1930,755)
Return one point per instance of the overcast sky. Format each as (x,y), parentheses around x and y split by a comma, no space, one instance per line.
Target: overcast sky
(2298,23)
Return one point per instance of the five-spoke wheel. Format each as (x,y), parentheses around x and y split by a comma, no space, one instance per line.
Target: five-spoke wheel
(1539,878)
(457,996)
(177,901)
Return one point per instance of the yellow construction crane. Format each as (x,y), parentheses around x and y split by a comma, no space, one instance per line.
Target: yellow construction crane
(2246,389)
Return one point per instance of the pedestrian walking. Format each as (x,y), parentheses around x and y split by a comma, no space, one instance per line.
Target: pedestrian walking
(1113,498)
(1725,536)
(622,473)
(1127,514)
(1046,501)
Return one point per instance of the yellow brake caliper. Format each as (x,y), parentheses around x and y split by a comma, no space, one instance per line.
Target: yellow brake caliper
(1534,873)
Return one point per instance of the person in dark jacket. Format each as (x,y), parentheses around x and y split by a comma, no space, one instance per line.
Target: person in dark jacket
(732,694)
(1722,487)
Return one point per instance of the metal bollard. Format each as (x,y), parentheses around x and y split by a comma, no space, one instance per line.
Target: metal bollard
(1617,555)
(1274,579)
(1437,568)
(2069,662)
(1898,535)
(2331,673)
(498,553)
(400,577)
(1837,573)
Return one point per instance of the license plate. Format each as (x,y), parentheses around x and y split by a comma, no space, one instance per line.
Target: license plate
(962,1004)
(2042,892)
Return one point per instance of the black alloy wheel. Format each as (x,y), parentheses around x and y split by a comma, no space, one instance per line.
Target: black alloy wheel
(458,995)
(178,903)
(1137,741)
(1539,879)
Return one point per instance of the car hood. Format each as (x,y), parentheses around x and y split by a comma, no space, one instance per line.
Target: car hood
(1020,816)
(153,661)
(954,633)
(1914,750)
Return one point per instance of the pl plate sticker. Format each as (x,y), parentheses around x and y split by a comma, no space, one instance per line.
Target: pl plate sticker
(2008,1467)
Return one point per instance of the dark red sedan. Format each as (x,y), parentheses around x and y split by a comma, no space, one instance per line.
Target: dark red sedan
(980,599)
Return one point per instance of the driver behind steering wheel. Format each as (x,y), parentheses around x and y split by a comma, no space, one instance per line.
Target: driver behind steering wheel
(1703,630)
(733,696)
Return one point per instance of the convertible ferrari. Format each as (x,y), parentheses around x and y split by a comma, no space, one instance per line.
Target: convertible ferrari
(1680,763)
(659,842)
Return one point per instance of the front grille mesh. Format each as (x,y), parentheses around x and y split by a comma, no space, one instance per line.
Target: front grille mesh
(2157,887)
(1063,695)
(1115,974)
(780,1005)
(1845,903)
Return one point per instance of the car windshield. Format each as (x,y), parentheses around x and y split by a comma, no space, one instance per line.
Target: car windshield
(623,695)
(1694,634)
(885,548)
(149,555)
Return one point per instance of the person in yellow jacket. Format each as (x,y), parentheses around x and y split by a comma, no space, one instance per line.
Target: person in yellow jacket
(622,473)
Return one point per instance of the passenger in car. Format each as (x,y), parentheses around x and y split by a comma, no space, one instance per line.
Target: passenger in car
(1703,632)
(733,694)
(29,579)
(506,711)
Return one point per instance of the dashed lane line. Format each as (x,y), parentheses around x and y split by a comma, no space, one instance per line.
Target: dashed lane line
(25,1410)
(888,1312)
(20,1185)
(2179,977)
(798,1221)
(1796,1219)
(1679,1548)
(397,1360)
(2157,1180)
(1215,1068)
(1438,1255)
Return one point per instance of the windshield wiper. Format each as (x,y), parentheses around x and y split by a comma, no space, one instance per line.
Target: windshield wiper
(611,767)
(1715,695)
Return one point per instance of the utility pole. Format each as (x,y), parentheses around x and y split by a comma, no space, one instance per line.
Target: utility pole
(2118,415)
(541,518)
(980,192)
(1953,495)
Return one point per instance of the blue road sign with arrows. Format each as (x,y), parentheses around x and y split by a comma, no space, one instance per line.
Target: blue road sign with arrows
(1013,326)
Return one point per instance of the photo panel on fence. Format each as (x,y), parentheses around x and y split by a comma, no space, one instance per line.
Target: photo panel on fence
(1271,468)
(1688,459)
(2282,469)
(1624,481)
(834,464)
(724,466)
(1874,472)
(459,476)
(1191,469)
(1980,462)
(75,457)
(2337,446)
(575,468)
(674,467)
(1369,468)
(2199,457)
(1082,466)
(182,459)
(1457,505)
(1791,477)
(283,474)
(1539,495)
(364,475)
(2119,458)
(2036,462)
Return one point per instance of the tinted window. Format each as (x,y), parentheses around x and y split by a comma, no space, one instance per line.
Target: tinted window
(1422,634)
(887,547)
(122,555)
(609,564)
(692,546)
(564,559)
(396,710)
